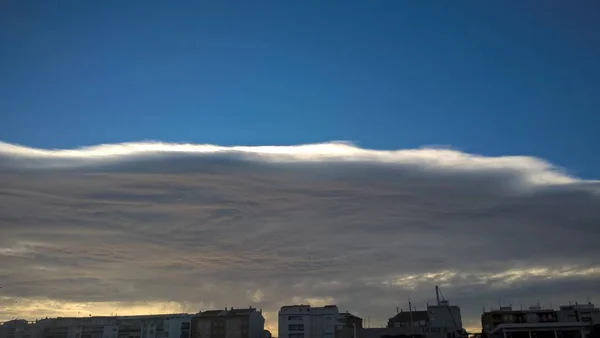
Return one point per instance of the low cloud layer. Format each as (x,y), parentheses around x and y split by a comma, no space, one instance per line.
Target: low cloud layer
(154,227)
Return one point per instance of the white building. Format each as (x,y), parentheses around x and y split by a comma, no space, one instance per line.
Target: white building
(304,321)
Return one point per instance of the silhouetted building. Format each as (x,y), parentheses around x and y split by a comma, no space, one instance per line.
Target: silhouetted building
(348,320)
(570,321)
(232,323)
(388,332)
(506,315)
(443,320)
(145,326)
(586,313)
(19,328)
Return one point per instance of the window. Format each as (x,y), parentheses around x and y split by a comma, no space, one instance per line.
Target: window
(296,335)
(296,327)
(166,334)
(295,317)
(422,323)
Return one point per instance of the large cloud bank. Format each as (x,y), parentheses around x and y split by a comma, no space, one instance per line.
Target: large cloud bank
(155,227)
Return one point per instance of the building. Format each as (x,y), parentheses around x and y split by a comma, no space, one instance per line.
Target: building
(507,315)
(509,319)
(541,330)
(587,313)
(387,332)
(348,320)
(442,320)
(304,321)
(232,323)
(569,321)
(19,328)
(149,326)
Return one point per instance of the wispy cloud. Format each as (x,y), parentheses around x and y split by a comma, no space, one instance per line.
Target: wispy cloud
(202,225)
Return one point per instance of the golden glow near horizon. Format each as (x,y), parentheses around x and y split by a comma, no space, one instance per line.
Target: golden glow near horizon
(32,309)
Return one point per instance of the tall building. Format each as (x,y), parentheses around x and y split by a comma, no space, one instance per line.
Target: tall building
(304,321)
(232,323)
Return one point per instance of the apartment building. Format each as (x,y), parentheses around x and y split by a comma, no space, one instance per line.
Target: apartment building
(19,328)
(232,323)
(147,326)
(586,313)
(304,321)
(569,321)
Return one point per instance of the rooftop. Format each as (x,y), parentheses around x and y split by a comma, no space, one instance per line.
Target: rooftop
(226,312)
(407,316)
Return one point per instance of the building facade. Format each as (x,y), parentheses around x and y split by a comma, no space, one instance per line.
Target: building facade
(507,315)
(150,326)
(19,328)
(232,323)
(569,321)
(586,313)
(443,320)
(348,320)
(304,321)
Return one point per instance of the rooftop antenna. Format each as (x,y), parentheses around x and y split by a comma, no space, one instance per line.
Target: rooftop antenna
(410,315)
(437,294)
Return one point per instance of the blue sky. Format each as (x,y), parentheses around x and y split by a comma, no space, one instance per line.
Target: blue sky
(490,78)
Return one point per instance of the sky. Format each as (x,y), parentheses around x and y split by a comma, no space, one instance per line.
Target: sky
(147,145)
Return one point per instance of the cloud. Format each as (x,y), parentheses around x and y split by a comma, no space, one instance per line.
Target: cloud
(184,227)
